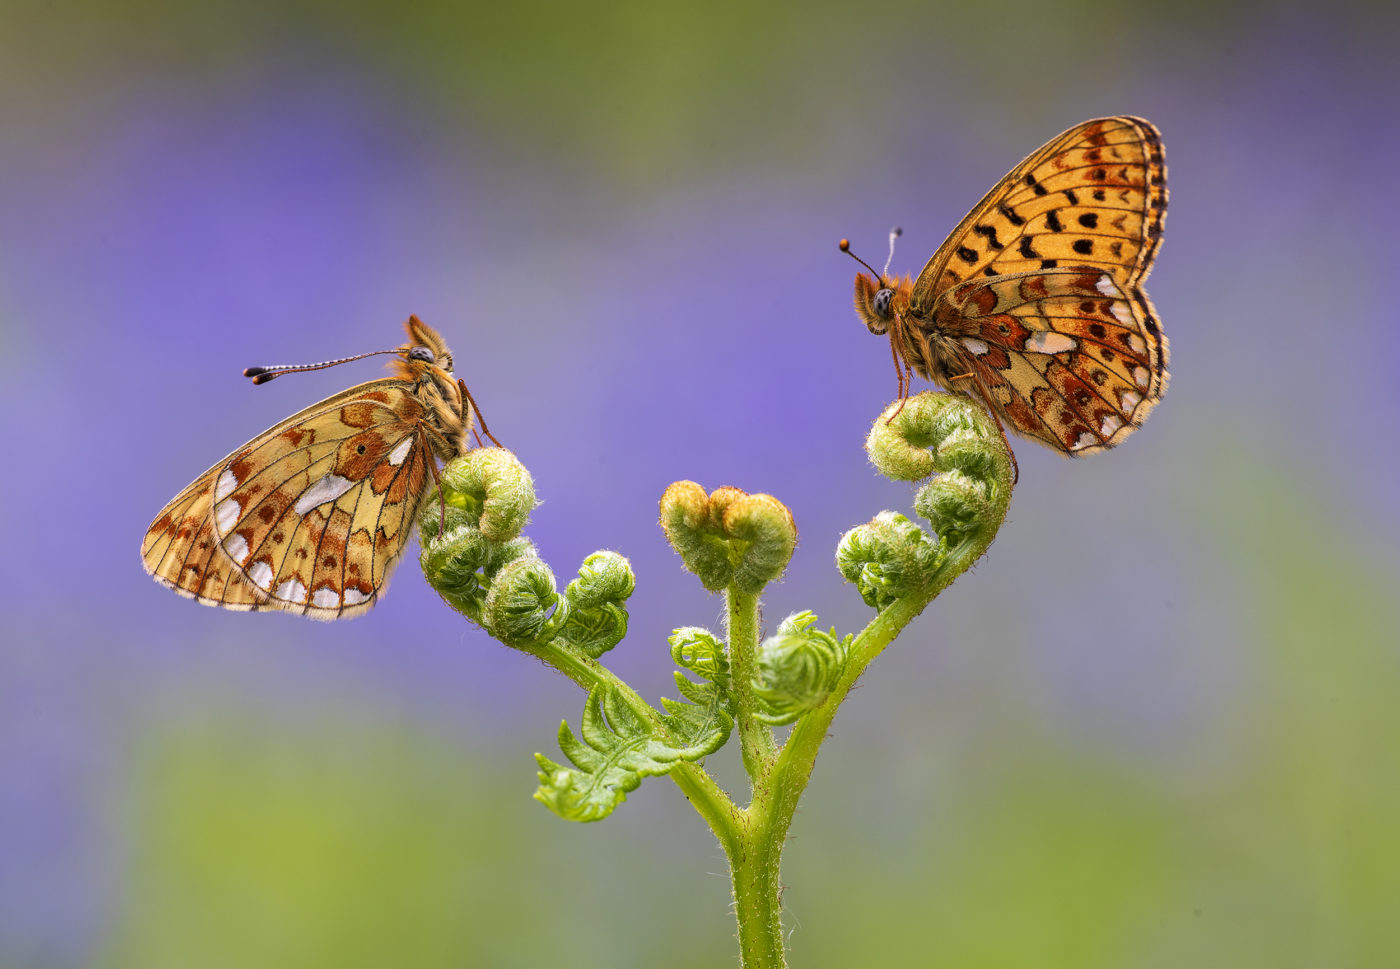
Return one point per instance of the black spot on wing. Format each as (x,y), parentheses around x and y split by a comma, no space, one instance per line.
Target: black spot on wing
(1009,214)
(989,232)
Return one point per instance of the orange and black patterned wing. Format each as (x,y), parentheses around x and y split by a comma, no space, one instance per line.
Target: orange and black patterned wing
(1060,353)
(1094,196)
(309,517)
(1046,273)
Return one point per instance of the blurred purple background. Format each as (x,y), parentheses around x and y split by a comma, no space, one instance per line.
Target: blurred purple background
(625,224)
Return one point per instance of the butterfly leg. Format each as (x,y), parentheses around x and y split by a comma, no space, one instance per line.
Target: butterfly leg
(423,431)
(987,403)
(462,384)
(903,375)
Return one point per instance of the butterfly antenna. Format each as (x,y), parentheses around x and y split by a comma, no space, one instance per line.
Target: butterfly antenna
(846,248)
(262,375)
(895,233)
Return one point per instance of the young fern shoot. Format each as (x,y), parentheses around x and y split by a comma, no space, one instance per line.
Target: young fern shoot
(733,682)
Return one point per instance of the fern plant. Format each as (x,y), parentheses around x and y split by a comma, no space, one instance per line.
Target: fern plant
(735,543)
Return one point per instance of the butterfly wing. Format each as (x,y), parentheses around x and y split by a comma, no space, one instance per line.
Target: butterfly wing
(1093,201)
(1094,196)
(1060,354)
(308,517)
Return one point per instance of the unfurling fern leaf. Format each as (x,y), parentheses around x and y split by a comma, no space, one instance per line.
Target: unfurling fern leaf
(617,746)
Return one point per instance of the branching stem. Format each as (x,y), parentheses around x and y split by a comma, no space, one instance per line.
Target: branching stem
(755,866)
(737,543)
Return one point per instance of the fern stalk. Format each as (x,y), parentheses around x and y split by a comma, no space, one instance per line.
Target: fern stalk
(735,543)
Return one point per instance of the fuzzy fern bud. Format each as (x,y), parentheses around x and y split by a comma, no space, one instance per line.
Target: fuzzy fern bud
(492,485)
(797,669)
(697,649)
(452,559)
(953,437)
(692,531)
(955,505)
(522,607)
(887,558)
(729,537)
(597,617)
(912,441)
(469,529)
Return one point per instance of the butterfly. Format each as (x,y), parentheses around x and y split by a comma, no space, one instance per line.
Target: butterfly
(312,514)
(1034,304)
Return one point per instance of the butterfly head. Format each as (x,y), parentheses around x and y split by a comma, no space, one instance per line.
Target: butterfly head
(878,297)
(878,300)
(425,348)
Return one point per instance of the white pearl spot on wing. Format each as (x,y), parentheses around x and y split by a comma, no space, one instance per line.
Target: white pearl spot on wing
(325,598)
(237,548)
(225,485)
(1140,376)
(1129,400)
(400,451)
(974,346)
(328,488)
(353,597)
(1136,344)
(1048,341)
(262,575)
(292,591)
(1109,424)
(1083,441)
(1106,286)
(226,515)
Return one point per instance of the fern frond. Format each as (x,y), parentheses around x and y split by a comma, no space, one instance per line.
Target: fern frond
(614,750)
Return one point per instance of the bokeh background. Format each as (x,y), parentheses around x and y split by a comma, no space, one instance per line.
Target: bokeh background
(1158,726)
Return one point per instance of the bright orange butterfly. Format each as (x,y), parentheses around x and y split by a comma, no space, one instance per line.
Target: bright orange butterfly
(311,515)
(1035,302)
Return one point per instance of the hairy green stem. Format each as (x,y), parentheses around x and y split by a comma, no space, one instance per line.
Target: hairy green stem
(738,543)
(754,857)
(755,866)
(742,632)
(754,869)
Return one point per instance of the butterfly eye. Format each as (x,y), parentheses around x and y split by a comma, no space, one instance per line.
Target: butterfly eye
(881,303)
(421,353)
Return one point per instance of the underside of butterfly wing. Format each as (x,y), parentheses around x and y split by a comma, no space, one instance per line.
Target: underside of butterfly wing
(1061,354)
(309,517)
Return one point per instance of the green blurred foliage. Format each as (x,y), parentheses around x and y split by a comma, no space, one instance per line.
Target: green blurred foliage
(1270,841)
(344,843)
(633,94)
